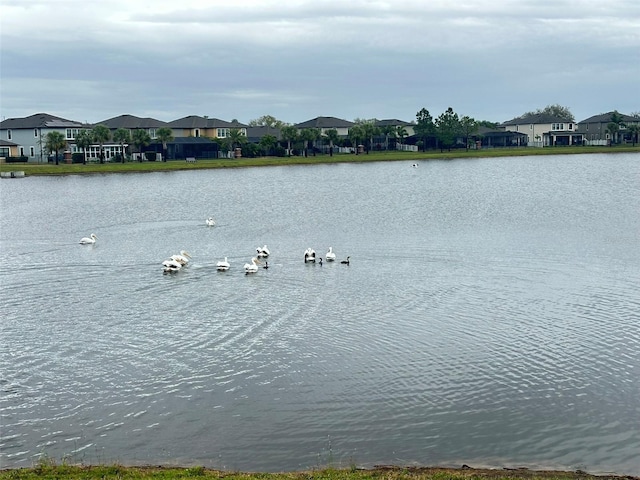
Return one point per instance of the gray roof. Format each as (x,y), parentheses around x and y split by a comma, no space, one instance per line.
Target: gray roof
(537,118)
(254,134)
(394,122)
(132,122)
(194,121)
(7,143)
(606,118)
(325,122)
(40,120)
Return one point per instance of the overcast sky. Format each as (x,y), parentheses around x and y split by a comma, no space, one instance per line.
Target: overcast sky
(299,59)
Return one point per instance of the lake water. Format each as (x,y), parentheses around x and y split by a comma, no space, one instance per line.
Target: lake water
(489,316)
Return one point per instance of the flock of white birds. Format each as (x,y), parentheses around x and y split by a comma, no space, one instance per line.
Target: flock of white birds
(180,260)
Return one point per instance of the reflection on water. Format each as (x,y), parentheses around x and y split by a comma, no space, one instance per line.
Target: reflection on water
(489,316)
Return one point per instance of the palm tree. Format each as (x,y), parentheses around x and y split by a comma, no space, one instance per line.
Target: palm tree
(401,133)
(289,134)
(164,135)
(237,138)
(55,142)
(389,132)
(308,135)
(356,133)
(333,137)
(122,136)
(634,129)
(140,139)
(101,135)
(84,140)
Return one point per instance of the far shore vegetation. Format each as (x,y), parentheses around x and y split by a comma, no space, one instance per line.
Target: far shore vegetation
(151,166)
(117,472)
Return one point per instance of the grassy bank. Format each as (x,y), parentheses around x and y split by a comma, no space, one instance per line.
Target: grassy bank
(68,472)
(93,168)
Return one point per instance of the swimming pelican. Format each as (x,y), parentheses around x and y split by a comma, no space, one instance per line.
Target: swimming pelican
(330,255)
(251,267)
(223,265)
(263,252)
(90,239)
(345,262)
(210,221)
(309,255)
(182,258)
(171,266)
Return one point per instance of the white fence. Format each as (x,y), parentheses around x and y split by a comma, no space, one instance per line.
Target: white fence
(596,143)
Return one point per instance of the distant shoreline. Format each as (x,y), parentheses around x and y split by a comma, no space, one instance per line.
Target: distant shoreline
(42,169)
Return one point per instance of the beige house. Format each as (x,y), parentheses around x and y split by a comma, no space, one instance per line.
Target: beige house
(544,130)
(195,126)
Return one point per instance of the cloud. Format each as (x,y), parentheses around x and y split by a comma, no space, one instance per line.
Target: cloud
(302,58)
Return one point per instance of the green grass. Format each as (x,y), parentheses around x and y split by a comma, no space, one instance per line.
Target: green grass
(46,470)
(97,168)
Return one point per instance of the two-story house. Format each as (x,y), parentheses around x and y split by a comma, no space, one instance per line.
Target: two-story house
(595,129)
(196,126)
(545,130)
(29,134)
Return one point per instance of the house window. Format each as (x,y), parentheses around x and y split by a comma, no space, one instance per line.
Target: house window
(152,133)
(587,127)
(196,132)
(35,132)
(32,152)
(22,151)
(571,126)
(4,152)
(222,132)
(531,127)
(71,133)
(8,134)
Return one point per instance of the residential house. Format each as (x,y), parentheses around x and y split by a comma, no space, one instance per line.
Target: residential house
(29,134)
(595,128)
(195,126)
(408,143)
(545,130)
(327,123)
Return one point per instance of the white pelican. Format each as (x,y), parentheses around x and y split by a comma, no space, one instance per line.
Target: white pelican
(210,221)
(90,239)
(263,252)
(345,262)
(251,267)
(330,255)
(170,266)
(182,258)
(223,265)
(309,255)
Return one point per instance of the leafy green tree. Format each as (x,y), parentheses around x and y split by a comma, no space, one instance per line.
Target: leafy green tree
(424,126)
(267,121)
(101,135)
(267,142)
(164,135)
(140,139)
(356,133)
(289,134)
(613,129)
(556,111)
(332,136)
(54,143)
(84,140)
(468,126)
(447,128)
(122,136)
